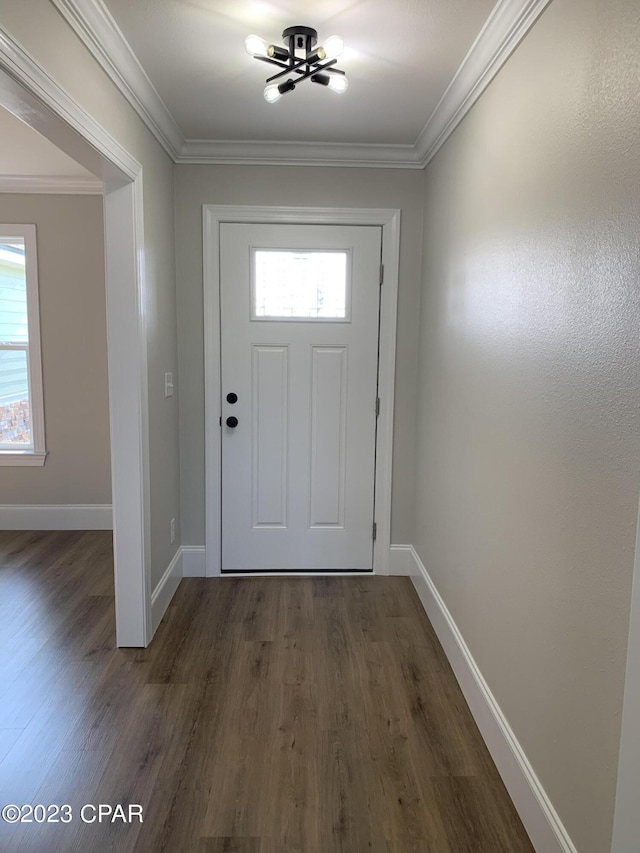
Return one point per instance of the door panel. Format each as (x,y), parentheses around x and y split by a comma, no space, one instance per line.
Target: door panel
(328,436)
(270,415)
(299,346)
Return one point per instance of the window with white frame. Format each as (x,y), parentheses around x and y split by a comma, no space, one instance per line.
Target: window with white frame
(21,393)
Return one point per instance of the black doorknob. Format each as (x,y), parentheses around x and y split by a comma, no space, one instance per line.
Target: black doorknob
(232,422)
(232,398)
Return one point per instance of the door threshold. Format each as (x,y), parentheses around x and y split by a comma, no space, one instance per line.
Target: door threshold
(324,573)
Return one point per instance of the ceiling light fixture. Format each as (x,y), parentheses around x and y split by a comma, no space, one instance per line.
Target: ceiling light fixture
(300,60)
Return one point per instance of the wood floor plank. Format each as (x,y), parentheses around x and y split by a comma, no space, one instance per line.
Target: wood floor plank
(27,763)
(269,715)
(72,779)
(241,741)
(8,737)
(469,814)
(229,845)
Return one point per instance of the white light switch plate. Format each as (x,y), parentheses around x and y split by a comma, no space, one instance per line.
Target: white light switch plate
(168,385)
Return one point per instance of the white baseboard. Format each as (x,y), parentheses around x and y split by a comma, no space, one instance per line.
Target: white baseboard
(165,590)
(400,560)
(193,561)
(540,819)
(56,517)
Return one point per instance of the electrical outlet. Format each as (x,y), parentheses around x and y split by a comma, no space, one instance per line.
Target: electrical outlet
(173,530)
(168,385)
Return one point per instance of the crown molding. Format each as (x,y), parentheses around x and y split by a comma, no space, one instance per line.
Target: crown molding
(255,153)
(505,28)
(94,25)
(50,185)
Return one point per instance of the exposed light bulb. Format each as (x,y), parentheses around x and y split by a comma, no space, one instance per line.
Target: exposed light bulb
(272,94)
(332,48)
(255,46)
(275,91)
(338,83)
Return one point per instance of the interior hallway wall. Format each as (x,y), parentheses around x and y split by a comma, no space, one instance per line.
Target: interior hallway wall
(70,244)
(297,187)
(528,447)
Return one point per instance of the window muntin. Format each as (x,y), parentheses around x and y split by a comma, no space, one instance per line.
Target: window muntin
(301,285)
(21,397)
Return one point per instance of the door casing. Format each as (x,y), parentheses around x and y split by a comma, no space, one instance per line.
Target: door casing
(389,220)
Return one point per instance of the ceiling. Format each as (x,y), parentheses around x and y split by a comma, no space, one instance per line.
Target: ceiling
(415,67)
(26,155)
(400,56)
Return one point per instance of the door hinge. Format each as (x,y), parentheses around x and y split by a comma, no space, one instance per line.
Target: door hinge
(377,406)
(375,531)
(381,274)
(220,420)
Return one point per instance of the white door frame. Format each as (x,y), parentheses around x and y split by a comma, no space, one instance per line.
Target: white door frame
(389,220)
(27,90)
(626,824)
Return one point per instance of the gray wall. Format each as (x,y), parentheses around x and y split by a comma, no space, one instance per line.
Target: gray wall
(528,446)
(295,186)
(39,28)
(69,236)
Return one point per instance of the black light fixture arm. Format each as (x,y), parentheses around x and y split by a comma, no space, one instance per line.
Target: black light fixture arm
(307,71)
(272,61)
(292,66)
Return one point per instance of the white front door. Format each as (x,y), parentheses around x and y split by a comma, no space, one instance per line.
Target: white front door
(299,361)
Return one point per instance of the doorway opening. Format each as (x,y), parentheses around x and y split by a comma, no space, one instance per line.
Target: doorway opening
(36,99)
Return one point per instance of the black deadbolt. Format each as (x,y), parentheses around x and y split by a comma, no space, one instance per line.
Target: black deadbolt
(232,398)
(232,422)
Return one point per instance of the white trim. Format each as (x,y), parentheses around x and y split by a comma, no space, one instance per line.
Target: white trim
(286,153)
(389,220)
(22,459)
(193,561)
(109,159)
(165,590)
(400,560)
(506,26)
(94,25)
(626,823)
(129,412)
(36,387)
(50,185)
(28,91)
(540,819)
(56,517)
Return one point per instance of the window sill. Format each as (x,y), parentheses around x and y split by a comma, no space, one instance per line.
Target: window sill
(22,458)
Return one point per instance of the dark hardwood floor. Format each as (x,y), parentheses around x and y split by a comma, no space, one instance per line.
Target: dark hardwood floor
(275,715)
